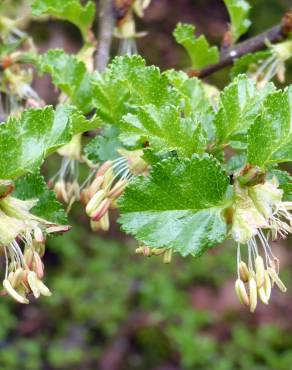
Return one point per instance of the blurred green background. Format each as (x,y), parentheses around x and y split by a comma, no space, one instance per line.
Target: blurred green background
(112,310)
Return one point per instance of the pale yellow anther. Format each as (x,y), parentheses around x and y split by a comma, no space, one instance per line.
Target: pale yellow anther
(243,271)
(38,266)
(16,277)
(103,168)
(95,225)
(38,235)
(101,210)
(167,256)
(260,271)
(43,289)
(33,283)
(105,222)
(95,186)
(267,285)
(158,251)
(108,178)
(13,293)
(95,202)
(275,278)
(241,292)
(117,189)
(262,295)
(28,256)
(253,295)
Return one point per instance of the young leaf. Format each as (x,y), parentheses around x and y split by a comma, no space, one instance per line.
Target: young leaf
(68,74)
(240,103)
(103,147)
(179,206)
(270,137)
(194,99)
(198,48)
(25,141)
(33,186)
(164,129)
(70,10)
(238,11)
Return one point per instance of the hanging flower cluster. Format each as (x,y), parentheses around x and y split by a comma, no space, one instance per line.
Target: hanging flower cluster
(259,215)
(274,65)
(125,29)
(22,241)
(65,181)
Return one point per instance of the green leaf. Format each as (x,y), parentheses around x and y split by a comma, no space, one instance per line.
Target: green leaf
(198,48)
(240,103)
(27,140)
(33,186)
(103,147)
(164,129)
(70,10)
(128,83)
(285,182)
(68,74)
(80,123)
(270,137)
(238,11)
(235,163)
(178,206)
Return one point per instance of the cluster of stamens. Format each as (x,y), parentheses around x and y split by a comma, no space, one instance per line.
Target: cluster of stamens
(108,185)
(149,252)
(65,182)
(21,230)
(256,278)
(259,208)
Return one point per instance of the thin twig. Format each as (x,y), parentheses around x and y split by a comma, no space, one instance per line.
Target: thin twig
(105,34)
(259,42)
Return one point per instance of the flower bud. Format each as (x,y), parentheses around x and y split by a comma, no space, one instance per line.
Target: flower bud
(241,292)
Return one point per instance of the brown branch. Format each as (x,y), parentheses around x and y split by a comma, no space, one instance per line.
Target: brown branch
(105,34)
(257,43)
